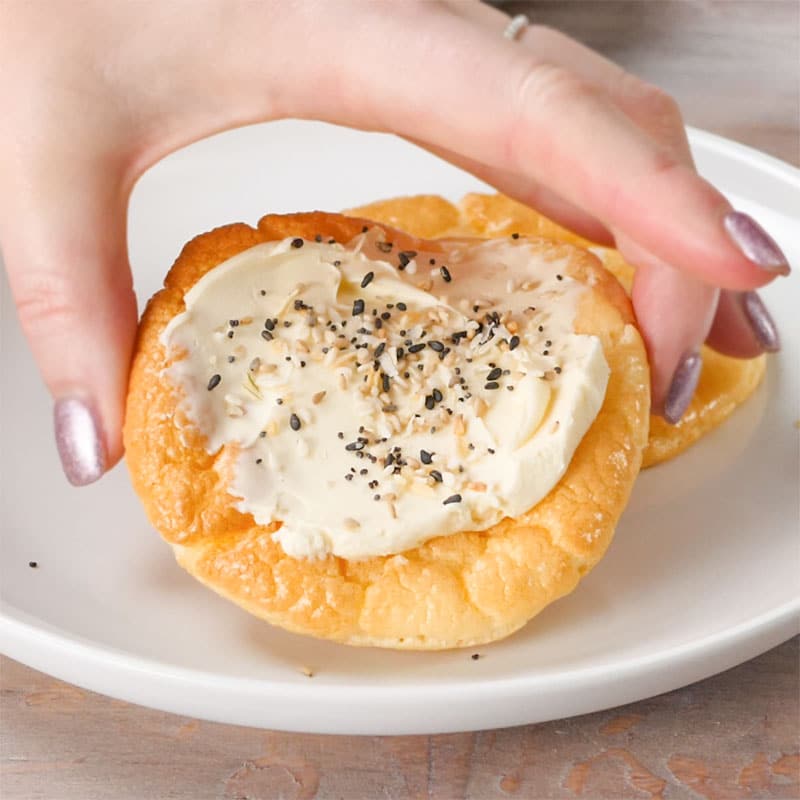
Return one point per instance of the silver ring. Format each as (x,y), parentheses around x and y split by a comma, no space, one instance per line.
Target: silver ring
(516,26)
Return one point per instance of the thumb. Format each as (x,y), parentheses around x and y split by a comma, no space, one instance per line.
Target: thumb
(65,252)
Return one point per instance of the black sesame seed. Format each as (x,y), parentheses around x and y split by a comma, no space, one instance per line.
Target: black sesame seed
(367,279)
(385,315)
(513,343)
(230,334)
(559,277)
(297,243)
(545,352)
(415,348)
(454,498)
(425,457)
(432,261)
(385,382)
(265,334)
(437,395)
(294,421)
(269,324)
(494,374)
(557,370)
(435,345)
(318,238)
(475,656)
(429,402)
(354,446)
(436,475)
(263,292)
(404,256)
(234,323)
(348,477)
(379,349)
(515,236)
(33,564)
(541,328)
(446,276)
(279,401)
(340,434)
(214,381)
(358,307)
(259,461)
(262,434)
(492,385)
(363,472)
(231,359)
(337,263)
(402,307)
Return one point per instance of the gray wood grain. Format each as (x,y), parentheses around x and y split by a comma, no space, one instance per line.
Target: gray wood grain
(731,736)
(733,66)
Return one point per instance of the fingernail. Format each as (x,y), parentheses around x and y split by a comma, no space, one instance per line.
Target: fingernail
(80,445)
(681,390)
(761,322)
(755,242)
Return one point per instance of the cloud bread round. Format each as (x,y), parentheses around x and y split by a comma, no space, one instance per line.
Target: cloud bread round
(464,589)
(725,382)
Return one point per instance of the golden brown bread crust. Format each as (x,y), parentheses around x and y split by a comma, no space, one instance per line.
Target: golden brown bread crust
(725,382)
(459,590)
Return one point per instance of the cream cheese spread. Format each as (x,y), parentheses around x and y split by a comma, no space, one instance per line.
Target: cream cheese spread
(377,398)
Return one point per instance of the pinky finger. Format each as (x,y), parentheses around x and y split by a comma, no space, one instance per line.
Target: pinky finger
(743,327)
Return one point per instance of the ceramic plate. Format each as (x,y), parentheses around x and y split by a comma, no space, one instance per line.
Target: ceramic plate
(702,574)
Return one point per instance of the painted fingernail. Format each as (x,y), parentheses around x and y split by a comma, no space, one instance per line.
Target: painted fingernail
(80,444)
(761,322)
(681,390)
(755,242)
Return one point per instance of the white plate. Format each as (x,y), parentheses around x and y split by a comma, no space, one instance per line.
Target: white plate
(702,573)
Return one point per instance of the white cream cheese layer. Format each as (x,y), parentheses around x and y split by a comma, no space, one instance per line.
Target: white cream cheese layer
(380,398)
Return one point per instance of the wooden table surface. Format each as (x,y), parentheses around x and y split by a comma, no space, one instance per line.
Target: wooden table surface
(733,66)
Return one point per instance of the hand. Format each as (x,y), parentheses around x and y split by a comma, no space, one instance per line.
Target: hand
(94,97)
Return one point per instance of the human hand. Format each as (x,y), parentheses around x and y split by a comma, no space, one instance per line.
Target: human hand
(94,98)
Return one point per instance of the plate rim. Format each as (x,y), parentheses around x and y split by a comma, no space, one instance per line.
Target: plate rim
(57,652)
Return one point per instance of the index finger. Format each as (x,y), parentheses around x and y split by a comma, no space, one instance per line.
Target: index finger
(467,89)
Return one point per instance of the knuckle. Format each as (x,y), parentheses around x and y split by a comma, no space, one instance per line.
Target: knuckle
(656,104)
(43,301)
(662,162)
(545,84)
(542,86)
